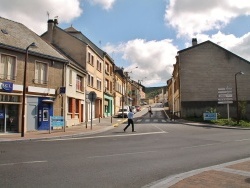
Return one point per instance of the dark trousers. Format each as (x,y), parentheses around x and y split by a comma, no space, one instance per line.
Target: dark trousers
(130,121)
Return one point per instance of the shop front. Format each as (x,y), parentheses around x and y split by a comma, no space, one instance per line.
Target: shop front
(9,113)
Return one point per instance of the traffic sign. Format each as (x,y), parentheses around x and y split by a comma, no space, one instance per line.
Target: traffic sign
(92,96)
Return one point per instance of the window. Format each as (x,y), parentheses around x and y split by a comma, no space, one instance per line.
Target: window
(111,70)
(90,59)
(41,73)
(70,105)
(106,85)
(79,83)
(7,67)
(99,84)
(106,68)
(111,86)
(99,66)
(90,81)
(70,77)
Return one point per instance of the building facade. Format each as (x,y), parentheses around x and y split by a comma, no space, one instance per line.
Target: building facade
(200,71)
(36,71)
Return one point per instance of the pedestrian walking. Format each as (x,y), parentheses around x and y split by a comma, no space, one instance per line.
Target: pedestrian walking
(150,111)
(130,121)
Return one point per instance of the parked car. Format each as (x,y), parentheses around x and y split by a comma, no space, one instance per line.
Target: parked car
(123,112)
(138,108)
(133,109)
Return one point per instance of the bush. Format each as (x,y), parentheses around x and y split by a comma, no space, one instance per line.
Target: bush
(222,122)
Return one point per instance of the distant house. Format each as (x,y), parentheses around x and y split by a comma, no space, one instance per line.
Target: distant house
(200,71)
(44,77)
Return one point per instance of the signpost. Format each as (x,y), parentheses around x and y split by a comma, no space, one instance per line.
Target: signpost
(56,121)
(225,96)
(92,98)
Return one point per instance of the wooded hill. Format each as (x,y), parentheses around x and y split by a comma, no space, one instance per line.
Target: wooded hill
(151,92)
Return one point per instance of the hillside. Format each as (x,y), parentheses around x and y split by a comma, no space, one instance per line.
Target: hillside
(151,92)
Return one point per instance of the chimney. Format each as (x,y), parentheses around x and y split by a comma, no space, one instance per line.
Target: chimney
(50,30)
(194,41)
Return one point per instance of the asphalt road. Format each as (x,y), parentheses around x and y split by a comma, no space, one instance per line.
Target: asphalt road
(156,150)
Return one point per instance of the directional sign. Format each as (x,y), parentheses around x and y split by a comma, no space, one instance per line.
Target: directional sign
(224,92)
(225,89)
(225,95)
(225,99)
(225,102)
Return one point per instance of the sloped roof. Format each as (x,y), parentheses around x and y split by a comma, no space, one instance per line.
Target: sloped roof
(16,36)
(208,41)
(78,34)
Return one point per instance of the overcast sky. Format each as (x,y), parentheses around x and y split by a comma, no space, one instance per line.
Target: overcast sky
(142,33)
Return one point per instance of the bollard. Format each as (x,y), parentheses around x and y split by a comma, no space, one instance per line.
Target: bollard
(111,119)
(99,118)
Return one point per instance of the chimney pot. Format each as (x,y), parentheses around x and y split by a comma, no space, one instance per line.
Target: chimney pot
(194,41)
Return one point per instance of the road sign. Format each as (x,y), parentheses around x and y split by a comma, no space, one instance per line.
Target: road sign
(62,90)
(226,95)
(92,96)
(225,102)
(225,89)
(224,92)
(225,99)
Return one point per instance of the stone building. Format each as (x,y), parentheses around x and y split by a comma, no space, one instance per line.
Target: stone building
(40,80)
(200,71)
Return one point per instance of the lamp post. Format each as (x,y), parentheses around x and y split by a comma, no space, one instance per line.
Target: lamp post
(32,45)
(236,95)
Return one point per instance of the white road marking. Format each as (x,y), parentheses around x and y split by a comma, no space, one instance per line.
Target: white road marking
(158,128)
(106,136)
(27,162)
(121,154)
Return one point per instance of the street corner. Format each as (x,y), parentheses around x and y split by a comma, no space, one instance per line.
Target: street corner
(119,123)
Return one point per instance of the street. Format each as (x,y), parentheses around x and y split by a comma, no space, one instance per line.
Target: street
(158,149)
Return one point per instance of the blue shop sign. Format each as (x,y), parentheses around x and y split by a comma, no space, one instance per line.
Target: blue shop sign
(7,86)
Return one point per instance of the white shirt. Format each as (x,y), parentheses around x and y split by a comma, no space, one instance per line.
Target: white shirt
(130,115)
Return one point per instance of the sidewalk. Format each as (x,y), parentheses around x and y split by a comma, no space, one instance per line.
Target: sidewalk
(98,125)
(233,174)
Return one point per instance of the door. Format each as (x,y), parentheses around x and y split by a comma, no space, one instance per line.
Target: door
(32,117)
(2,118)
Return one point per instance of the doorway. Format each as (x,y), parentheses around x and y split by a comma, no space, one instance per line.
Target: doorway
(8,118)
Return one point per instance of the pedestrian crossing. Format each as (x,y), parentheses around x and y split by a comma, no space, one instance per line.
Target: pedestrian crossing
(150,120)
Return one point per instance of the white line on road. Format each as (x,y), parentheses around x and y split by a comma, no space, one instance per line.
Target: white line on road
(106,136)
(158,128)
(27,162)
(121,154)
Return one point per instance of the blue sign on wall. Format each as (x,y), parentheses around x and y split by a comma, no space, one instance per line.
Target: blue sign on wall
(209,116)
(1,115)
(7,86)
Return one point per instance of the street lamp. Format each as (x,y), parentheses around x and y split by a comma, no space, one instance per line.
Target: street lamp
(236,94)
(32,45)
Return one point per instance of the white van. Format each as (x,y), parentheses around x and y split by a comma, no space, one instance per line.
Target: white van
(123,112)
